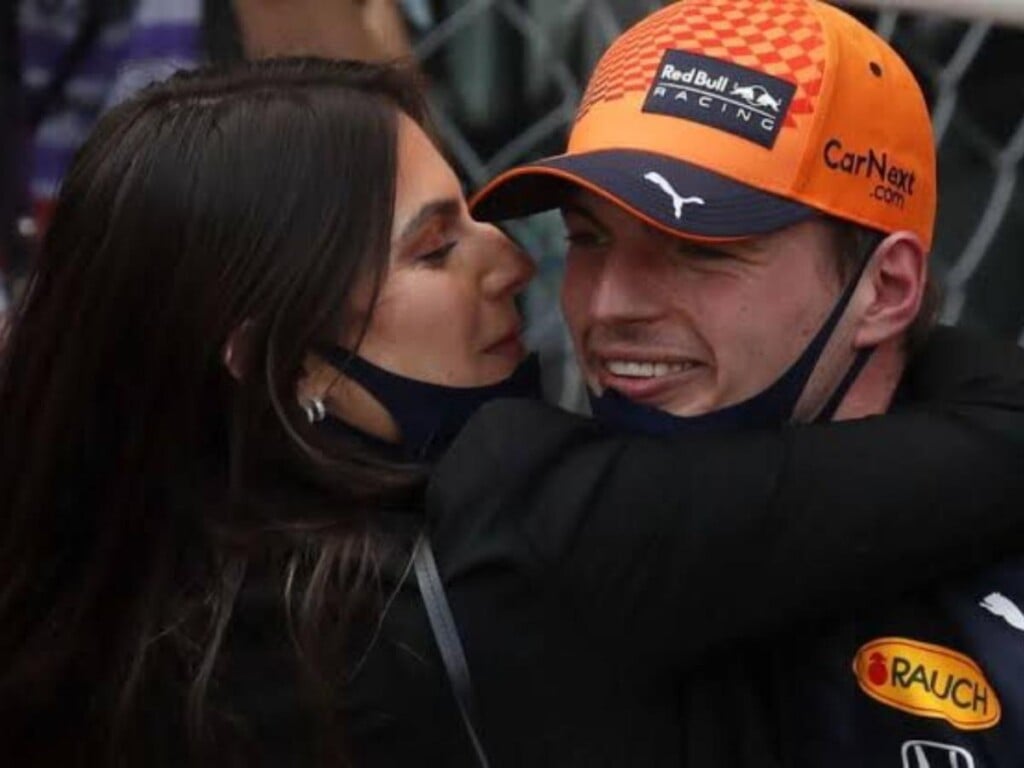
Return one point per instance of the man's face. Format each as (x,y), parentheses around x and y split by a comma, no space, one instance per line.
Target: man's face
(686,327)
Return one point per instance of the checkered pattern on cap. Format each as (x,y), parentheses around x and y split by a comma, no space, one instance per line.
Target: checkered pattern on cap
(787,43)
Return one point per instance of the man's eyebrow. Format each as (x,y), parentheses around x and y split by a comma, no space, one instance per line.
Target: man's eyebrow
(725,247)
(574,207)
(750,245)
(447,208)
(708,246)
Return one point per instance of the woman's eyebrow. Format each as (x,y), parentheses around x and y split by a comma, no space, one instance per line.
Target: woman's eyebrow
(447,208)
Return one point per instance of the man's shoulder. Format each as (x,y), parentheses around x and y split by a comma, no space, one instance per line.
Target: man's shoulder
(965,366)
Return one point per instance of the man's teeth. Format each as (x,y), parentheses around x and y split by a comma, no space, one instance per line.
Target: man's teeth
(633,369)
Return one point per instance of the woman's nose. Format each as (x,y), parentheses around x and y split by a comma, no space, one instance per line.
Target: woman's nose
(509,269)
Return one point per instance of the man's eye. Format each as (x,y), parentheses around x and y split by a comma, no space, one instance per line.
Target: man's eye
(702,253)
(585,239)
(436,257)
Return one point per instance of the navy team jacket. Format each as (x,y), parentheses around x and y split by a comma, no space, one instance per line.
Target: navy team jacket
(935,681)
(929,680)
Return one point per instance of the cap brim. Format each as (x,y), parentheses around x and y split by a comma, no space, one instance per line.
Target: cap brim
(668,193)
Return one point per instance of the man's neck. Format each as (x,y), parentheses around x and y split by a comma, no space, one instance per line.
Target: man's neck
(875,387)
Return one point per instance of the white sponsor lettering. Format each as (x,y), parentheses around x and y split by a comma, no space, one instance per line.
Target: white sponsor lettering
(735,110)
(696,77)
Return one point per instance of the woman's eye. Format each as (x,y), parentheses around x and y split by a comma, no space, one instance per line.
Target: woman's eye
(436,257)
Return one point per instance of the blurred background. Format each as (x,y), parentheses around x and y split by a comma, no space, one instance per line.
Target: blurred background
(505,77)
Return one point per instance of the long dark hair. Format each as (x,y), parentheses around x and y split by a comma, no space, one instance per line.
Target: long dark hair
(141,483)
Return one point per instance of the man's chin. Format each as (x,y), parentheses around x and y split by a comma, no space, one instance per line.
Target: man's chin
(683,407)
(690,410)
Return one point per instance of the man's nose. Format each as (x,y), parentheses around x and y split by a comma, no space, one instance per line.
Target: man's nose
(625,287)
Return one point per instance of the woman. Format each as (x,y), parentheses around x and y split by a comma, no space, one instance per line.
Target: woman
(261,307)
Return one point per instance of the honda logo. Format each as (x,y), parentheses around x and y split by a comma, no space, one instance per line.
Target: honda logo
(932,754)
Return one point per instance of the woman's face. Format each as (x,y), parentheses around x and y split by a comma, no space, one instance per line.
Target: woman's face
(446,311)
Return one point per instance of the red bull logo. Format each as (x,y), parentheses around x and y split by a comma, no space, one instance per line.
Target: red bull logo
(928,681)
(715,92)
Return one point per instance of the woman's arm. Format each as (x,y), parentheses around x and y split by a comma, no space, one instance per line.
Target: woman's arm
(694,542)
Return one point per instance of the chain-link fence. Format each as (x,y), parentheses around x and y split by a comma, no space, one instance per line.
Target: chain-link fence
(508,75)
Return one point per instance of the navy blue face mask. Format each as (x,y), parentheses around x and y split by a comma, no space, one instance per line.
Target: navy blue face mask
(772,407)
(430,416)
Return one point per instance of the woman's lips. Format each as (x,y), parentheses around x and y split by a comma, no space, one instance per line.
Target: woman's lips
(510,346)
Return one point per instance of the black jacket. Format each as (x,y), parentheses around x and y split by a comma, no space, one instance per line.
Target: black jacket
(590,575)
(934,678)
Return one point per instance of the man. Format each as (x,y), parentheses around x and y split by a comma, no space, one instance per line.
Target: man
(749,193)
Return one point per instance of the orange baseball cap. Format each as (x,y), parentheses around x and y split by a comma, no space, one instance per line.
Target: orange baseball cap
(726,119)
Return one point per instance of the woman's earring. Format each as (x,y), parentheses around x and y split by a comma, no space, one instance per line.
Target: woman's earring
(314,409)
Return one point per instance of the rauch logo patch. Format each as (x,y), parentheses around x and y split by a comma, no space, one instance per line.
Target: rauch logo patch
(741,101)
(928,681)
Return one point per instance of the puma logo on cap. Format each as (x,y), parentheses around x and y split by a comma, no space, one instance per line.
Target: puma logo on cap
(678,201)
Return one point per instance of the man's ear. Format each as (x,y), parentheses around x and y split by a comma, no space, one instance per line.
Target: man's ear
(891,290)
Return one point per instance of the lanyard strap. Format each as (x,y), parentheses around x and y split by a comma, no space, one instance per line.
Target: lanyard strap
(447,636)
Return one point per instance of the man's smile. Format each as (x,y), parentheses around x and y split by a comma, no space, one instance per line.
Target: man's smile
(637,369)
